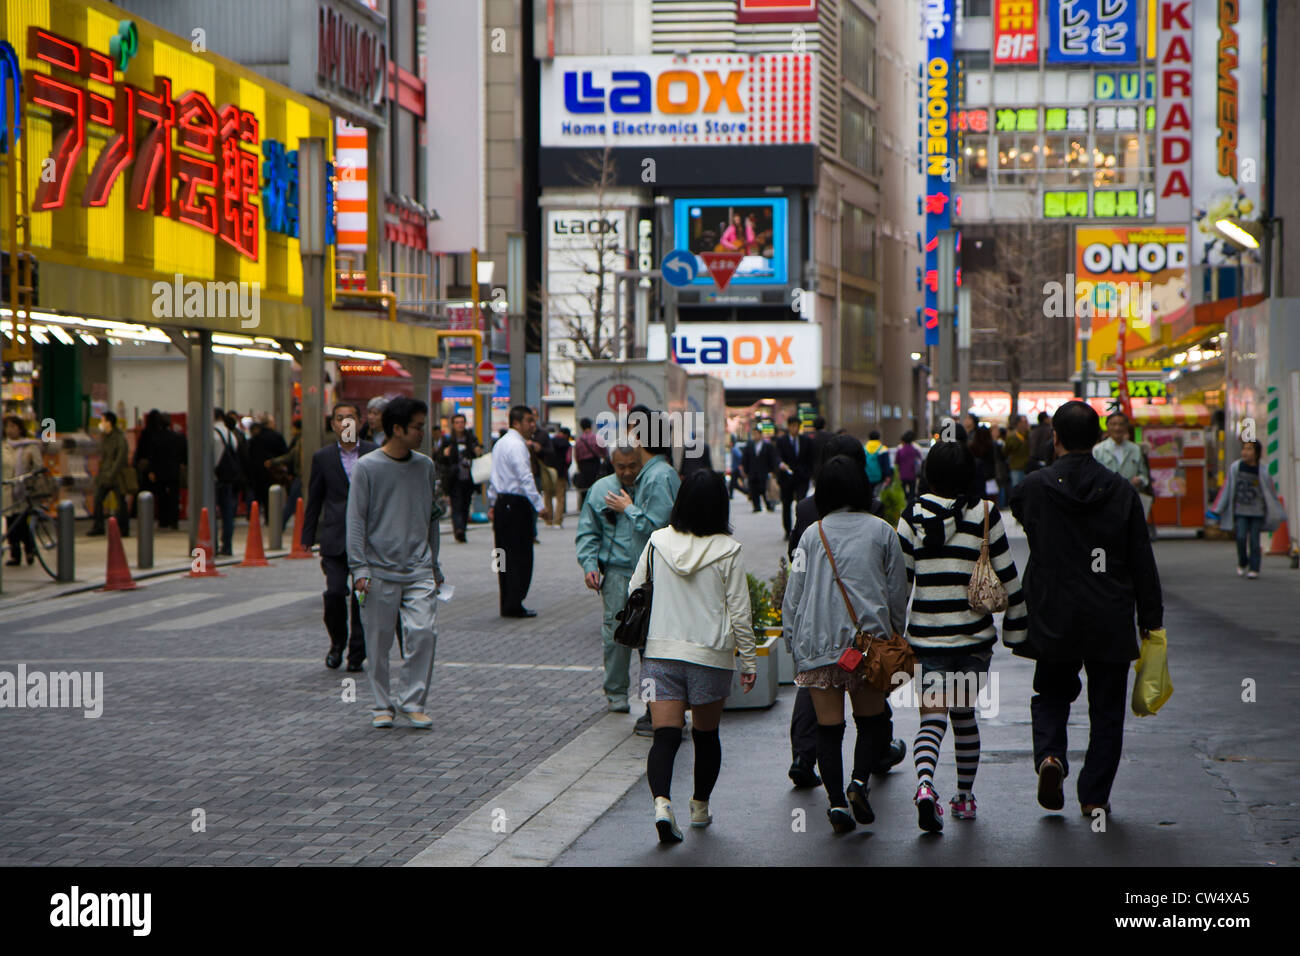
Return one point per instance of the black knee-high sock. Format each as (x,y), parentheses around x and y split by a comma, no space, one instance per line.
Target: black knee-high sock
(830,761)
(708,761)
(866,749)
(659,763)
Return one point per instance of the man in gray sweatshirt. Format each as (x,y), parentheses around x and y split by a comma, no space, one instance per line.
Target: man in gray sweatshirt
(393,555)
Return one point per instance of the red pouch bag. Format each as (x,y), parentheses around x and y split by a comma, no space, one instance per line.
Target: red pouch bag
(850,659)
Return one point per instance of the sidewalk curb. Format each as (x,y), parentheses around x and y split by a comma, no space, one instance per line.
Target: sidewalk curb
(552,806)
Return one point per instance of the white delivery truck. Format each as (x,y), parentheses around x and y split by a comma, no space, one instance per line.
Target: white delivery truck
(707,421)
(606,389)
(1263,397)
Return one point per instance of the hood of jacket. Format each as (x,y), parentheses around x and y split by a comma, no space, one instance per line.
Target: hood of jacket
(687,553)
(935,518)
(873,447)
(1080,484)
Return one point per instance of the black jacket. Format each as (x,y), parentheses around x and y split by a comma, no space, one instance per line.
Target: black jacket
(758,465)
(802,463)
(449,464)
(1081,516)
(267,443)
(327,500)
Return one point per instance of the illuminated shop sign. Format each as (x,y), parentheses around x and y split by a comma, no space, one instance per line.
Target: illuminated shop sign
(936,148)
(1015,31)
(194,163)
(1127,85)
(1092,31)
(1174,113)
(1108,204)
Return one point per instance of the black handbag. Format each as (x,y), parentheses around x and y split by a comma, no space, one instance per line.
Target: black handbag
(634,619)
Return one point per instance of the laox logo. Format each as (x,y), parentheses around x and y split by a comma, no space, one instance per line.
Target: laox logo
(675,91)
(743,350)
(583,227)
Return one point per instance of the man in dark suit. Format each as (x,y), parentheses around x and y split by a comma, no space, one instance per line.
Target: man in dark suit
(817,438)
(796,469)
(325,521)
(759,461)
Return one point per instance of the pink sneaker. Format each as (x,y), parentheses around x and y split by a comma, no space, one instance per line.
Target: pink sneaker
(963,806)
(929,814)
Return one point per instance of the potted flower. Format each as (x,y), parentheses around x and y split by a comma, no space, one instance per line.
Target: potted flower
(766,638)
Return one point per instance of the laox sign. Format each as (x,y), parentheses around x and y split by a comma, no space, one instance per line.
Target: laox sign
(744,350)
(632,92)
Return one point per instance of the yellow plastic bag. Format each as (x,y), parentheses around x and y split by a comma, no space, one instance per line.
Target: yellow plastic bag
(1153,686)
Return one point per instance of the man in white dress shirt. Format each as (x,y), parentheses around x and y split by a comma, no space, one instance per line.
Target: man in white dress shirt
(513,504)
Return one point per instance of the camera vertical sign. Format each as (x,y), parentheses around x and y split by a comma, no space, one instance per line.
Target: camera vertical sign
(937,158)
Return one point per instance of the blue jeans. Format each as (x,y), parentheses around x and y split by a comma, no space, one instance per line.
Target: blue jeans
(1248,531)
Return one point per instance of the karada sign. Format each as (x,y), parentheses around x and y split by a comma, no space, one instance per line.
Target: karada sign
(1174,112)
(194,163)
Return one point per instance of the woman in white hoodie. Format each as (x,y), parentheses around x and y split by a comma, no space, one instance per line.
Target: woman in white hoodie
(699,621)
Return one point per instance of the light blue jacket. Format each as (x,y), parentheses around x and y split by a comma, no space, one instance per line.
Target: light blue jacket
(817,625)
(620,544)
(1274,513)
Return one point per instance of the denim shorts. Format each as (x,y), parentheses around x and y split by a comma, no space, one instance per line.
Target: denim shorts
(957,662)
(680,680)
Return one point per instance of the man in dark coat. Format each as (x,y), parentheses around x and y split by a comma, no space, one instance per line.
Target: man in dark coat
(325,521)
(796,468)
(454,454)
(758,461)
(264,443)
(1090,570)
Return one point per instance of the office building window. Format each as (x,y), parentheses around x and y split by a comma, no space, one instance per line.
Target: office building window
(975,159)
(858,133)
(859,46)
(1017,159)
(857,241)
(1065,160)
(858,330)
(1116,159)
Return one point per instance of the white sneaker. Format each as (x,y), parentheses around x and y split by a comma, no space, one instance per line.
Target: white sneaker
(1241,572)
(700,816)
(665,822)
(1252,574)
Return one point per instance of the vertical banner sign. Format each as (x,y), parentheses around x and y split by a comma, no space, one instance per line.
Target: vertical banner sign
(1015,31)
(1174,112)
(1226,101)
(1092,31)
(939,163)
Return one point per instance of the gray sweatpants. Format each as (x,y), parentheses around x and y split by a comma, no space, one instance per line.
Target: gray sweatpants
(379,620)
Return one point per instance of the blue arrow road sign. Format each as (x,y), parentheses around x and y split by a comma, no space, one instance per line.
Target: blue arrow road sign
(679,268)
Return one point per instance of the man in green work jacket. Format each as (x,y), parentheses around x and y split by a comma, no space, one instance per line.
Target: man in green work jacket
(619,514)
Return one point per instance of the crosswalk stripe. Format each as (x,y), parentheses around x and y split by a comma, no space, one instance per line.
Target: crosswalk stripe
(232,612)
(44,607)
(117,615)
(583,668)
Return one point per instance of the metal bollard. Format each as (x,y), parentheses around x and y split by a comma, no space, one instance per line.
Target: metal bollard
(67,524)
(275,517)
(144,532)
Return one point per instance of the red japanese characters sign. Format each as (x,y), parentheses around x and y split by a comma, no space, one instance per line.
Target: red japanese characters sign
(189,161)
(1015,31)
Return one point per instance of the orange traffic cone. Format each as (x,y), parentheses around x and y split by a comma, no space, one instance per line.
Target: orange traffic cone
(207,568)
(118,576)
(1281,541)
(297,550)
(254,556)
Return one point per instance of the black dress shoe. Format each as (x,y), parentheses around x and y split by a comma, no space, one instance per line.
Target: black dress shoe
(354,668)
(521,612)
(333,659)
(803,775)
(897,751)
(13,562)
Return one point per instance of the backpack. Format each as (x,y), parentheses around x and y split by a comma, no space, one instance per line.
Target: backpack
(875,474)
(228,470)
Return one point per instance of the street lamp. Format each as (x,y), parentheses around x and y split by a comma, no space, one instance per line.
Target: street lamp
(1233,231)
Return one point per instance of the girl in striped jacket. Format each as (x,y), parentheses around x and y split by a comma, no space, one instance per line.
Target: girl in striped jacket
(941,535)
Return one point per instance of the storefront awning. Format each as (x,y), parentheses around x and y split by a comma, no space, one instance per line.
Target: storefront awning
(1153,415)
(1190,328)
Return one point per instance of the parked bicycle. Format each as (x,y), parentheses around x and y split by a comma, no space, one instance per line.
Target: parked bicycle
(32,494)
